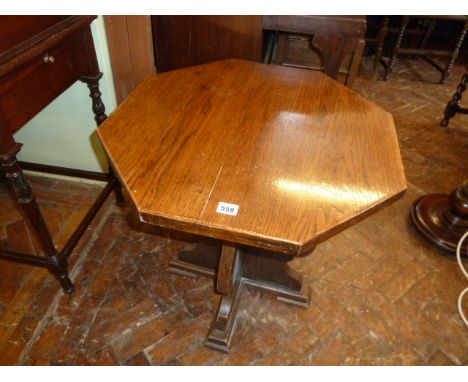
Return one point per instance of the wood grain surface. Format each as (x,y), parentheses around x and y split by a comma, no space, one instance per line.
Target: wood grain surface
(131,51)
(183,41)
(301,155)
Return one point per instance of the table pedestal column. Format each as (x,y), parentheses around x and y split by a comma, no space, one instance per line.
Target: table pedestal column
(233,267)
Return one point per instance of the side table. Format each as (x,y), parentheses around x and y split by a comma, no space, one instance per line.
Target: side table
(40,57)
(266,160)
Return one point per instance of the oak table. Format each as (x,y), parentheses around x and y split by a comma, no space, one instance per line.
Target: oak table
(268,160)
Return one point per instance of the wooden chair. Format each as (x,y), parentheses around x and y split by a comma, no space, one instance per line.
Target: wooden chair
(377,42)
(334,38)
(421,51)
(417,35)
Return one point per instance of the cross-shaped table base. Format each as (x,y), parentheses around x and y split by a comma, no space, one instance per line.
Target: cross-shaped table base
(233,266)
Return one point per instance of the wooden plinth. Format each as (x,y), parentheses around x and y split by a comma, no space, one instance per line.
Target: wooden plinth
(233,267)
(442,219)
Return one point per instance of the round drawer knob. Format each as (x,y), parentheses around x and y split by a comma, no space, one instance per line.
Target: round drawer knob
(48,59)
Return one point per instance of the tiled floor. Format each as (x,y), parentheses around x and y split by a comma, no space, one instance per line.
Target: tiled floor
(380,294)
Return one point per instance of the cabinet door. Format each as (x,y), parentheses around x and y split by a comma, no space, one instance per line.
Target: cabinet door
(181,41)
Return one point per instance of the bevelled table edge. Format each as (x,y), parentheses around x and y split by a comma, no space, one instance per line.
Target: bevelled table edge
(289,247)
(247,238)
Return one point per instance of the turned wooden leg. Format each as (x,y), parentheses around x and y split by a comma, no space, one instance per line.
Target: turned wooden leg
(454,55)
(100,116)
(26,201)
(442,219)
(454,104)
(60,270)
(396,47)
(99,109)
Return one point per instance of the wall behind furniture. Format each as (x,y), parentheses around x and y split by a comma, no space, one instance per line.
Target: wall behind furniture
(63,134)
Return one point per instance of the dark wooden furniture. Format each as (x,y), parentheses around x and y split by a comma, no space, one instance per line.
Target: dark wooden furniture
(377,42)
(442,219)
(182,41)
(40,57)
(453,106)
(293,169)
(426,54)
(333,37)
(418,35)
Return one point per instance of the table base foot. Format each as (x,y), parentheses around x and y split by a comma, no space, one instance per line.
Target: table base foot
(202,260)
(270,272)
(257,268)
(299,298)
(224,324)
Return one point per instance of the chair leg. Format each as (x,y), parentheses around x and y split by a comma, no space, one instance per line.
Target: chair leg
(355,62)
(454,55)
(281,48)
(429,30)
(396,47)
(383,30)
(454,104)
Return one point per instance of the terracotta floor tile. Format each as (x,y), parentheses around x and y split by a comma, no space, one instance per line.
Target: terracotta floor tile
(179,341)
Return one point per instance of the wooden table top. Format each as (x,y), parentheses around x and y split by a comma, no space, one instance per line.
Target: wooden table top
(299,154)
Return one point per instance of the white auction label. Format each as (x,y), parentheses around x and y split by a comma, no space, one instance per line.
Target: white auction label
(227,208)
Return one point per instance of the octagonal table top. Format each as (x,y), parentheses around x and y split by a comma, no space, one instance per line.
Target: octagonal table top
(262,155)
